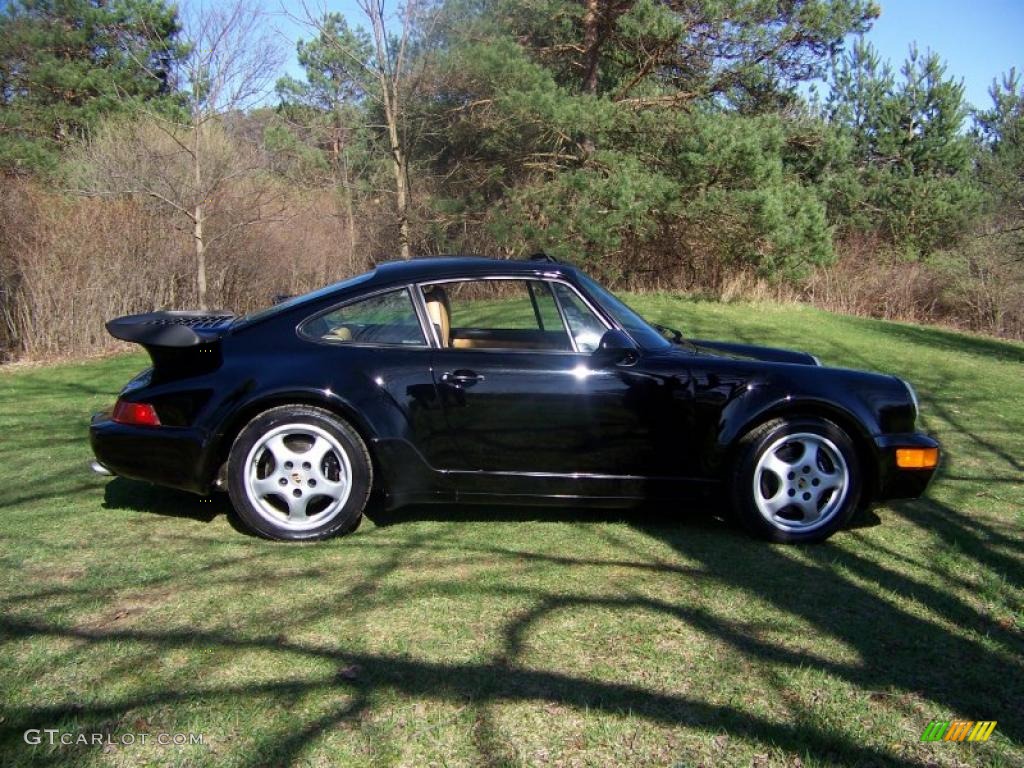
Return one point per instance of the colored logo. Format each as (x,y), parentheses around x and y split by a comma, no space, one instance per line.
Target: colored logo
(958,730)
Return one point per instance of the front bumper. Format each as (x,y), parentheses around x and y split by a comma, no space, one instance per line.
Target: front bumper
(170,456)
(895,482)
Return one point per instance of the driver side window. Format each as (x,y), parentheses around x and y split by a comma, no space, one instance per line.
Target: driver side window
(503,314)
(511,314)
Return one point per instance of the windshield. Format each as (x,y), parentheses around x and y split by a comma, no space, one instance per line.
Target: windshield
(287,304)
(641,331)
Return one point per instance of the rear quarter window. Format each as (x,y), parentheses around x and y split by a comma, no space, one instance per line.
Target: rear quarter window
(295,301)
(383,319)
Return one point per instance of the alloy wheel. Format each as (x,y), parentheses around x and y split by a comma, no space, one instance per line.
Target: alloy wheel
(298,476)
(800,482)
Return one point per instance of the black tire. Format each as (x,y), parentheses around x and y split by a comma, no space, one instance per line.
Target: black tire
(272,523)
(786,524)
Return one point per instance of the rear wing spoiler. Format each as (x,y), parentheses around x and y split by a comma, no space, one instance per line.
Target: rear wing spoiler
(171,329)
(180,344)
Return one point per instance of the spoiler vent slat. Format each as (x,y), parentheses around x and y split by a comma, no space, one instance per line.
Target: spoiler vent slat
(171,329)
(201,321)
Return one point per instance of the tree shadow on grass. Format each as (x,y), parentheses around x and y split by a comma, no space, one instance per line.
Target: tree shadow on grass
(976,673)
(478,683)
(897,630)
(983,444)
(979,541)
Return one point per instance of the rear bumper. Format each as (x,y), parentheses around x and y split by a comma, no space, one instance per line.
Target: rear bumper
(895,482)
(168,456)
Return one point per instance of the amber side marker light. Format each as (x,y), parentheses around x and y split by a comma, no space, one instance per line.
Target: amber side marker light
(917,458)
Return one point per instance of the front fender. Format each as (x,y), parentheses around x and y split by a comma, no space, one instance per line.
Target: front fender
(867,406)
(863,404)
(744,414)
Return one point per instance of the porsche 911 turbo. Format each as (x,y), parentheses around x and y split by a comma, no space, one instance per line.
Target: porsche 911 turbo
(461,379)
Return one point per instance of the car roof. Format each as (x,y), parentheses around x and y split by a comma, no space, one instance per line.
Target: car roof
(439,267)
(408,271)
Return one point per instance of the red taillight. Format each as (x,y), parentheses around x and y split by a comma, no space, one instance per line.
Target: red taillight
(139,414)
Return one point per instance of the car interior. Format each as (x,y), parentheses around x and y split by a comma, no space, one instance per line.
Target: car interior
(388,318)
(512,315)
(439,310)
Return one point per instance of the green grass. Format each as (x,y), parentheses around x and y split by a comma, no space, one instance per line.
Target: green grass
(501,636)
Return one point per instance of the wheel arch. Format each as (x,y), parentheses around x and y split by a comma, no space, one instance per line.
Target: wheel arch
(220,447)
(812,408)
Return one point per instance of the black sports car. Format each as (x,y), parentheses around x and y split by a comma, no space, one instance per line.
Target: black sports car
(479,380)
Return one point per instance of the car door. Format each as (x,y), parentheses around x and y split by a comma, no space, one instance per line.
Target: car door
(520,393)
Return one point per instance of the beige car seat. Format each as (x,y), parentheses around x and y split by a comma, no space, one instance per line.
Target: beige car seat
(438,309)
(341,333)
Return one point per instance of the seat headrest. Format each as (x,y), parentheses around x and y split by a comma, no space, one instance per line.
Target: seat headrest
(437,307)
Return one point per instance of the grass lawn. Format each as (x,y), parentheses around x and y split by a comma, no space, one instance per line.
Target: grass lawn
(490,636)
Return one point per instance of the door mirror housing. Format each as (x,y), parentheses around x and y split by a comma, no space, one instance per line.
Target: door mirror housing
(615,348)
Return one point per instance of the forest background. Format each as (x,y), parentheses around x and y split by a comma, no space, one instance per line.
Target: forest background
(166,156)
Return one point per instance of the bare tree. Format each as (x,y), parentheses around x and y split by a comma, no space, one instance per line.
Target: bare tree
(187,161)
(232,65)
(328,105)
(390,80)
(389,69)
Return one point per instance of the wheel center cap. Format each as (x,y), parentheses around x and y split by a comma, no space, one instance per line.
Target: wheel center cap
(297,478)
(802,483)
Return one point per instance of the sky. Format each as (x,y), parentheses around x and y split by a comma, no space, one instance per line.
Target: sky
(978,39)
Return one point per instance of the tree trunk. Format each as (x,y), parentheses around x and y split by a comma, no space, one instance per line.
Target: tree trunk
(398,165)
(401,202)
(389,83)
(197,232)
(341,166)
(591,48)
(350,214)
(197,221)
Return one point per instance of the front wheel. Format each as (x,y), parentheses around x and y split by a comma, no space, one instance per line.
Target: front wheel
(297,473)
(796,480)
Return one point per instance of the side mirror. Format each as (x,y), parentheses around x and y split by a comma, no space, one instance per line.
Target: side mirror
(615,348)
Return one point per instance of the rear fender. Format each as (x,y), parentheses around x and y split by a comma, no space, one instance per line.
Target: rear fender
(243,411)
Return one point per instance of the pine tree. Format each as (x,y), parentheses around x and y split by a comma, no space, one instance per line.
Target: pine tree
(905,174)
(327,110)
(64,64)
(1000,131)
(635,132)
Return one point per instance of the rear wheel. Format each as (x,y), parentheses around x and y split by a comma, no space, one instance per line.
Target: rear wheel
(296,473)
(796,480)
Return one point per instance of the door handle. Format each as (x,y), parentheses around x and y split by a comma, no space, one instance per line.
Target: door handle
(461,378)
